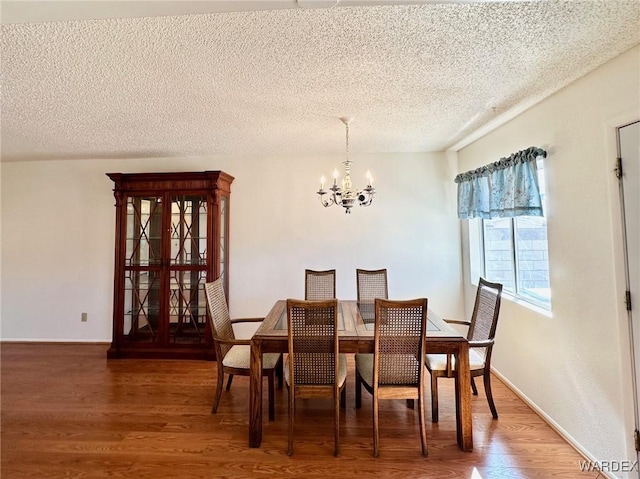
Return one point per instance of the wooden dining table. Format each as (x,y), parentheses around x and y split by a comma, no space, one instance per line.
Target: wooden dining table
(356,331)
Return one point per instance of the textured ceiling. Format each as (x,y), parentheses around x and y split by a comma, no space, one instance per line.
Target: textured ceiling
(415,77)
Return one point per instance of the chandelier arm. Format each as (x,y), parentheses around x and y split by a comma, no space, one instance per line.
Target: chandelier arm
(367,202)
(327,202)
(365,197)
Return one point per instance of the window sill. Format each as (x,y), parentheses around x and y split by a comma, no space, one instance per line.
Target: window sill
(527,304)
(523,302)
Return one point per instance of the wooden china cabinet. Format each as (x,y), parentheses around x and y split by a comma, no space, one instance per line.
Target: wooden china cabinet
(172,236)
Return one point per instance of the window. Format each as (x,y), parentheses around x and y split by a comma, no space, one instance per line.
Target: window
(516,253)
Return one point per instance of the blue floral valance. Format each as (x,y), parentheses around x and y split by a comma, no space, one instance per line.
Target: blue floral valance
(506,188)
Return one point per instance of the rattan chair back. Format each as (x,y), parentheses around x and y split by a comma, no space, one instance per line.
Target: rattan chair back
(221,328)
(371,284)
(400,330)
(319,285)
(313,341)
(484,319)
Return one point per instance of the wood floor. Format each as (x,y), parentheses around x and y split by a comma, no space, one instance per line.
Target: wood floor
(68,412)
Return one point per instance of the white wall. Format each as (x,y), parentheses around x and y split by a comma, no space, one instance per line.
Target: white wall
(574,365)
(58,236)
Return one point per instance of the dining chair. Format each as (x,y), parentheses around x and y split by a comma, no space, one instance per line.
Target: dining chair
(314,368)
(371,284)
(395,370)
(234,355)
(481,337)
(319,285)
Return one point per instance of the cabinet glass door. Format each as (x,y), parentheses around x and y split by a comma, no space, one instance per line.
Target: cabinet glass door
(143,260)
(187,269)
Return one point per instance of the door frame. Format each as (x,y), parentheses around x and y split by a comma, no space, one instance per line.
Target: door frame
(630,412)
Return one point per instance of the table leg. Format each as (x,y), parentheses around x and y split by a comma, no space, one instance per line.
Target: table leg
(255,395)
(464,424)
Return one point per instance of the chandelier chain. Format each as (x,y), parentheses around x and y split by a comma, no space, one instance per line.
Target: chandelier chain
(347,162)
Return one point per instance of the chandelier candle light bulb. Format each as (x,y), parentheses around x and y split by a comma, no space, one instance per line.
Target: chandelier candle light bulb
(347,196)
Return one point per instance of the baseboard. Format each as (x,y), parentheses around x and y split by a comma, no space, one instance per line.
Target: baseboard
(554,425)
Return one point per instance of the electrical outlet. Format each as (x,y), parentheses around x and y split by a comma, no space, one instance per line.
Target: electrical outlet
(83,317)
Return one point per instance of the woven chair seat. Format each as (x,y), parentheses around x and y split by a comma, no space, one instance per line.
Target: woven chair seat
(239,357)
(342,371)
(438,362)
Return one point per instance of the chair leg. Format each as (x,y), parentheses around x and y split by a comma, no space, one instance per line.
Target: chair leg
(229,381)
(280,369)
(473,387)
(336,422)
(422,420)
(376,437)
(434,398)
(487,390)
(291,413)
(272,408)
(358,390)
(219,386)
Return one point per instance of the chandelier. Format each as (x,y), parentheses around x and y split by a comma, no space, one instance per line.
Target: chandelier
(348,195)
